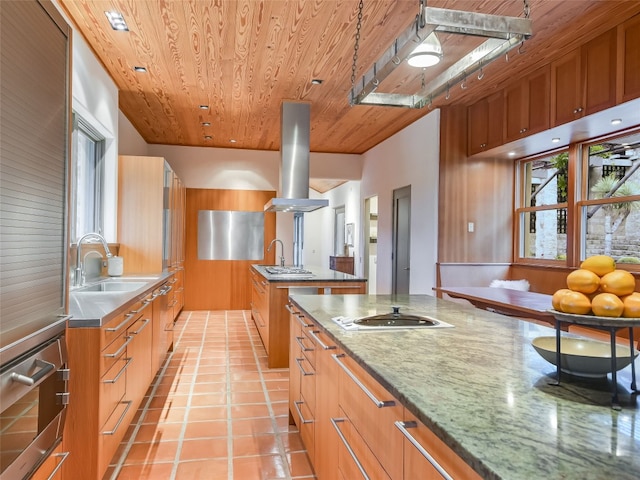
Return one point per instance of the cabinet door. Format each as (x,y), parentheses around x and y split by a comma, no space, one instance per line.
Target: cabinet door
(478,128)
(628,79)
(139,351)
(495,120)
(327,407)
(527,105)
(599,72)
(566,89)
(423,450)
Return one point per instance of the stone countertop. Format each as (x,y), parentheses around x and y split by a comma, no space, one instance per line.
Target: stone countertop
(94,309)
(483,389)
(318,274)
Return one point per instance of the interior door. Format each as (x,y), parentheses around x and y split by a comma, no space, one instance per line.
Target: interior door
(401,253)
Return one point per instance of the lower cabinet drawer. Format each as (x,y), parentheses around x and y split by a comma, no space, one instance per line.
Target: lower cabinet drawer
(113,388)
(373,412)
(355,458)
(306,424)
(51,469)
(112,433)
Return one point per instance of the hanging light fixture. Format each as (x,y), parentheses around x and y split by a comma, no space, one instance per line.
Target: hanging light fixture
(502,34)
(427,54)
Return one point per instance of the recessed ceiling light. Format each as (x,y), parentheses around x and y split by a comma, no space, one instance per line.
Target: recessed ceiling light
(616,121)
(140,69)
(512,154)
(555,140)
(316,81)
(203,107)
(116,20)
(206,124)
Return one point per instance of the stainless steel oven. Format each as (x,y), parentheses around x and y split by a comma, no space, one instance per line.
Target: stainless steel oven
(33,398)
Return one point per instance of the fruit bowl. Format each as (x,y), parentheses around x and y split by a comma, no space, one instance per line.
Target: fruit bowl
(581,356)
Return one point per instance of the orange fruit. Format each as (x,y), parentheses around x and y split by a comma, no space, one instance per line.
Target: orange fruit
(575,302)
(583,280)
(631,305)
(618,282)
(607,305)
(555,299)
(599,264)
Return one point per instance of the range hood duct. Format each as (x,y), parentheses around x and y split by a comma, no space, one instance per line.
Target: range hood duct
(294,158)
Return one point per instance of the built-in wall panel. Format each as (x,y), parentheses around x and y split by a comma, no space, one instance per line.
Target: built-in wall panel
(222,284)
(472,191)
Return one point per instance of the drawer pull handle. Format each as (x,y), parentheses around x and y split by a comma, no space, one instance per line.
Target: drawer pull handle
(64,456)
(297,405)
(121,349)
(145,304)
(403,426)
(302,346)
(334,422)
(323,345)
(146,322)
(299,362)
(374,399)
(127,317)
(119,374)
(289,307)
(302,322)
(45,368)
(167,289)
(124,414)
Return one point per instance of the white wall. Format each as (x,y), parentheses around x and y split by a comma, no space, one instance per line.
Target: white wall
(130,142)
(95,98)
(410,157)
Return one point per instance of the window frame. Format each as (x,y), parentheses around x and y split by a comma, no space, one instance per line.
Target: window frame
(84,127)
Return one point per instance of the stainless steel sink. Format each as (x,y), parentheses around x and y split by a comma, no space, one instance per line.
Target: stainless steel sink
(111,286)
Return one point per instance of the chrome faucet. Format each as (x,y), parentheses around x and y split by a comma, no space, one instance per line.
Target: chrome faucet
(78,278)
(281,250)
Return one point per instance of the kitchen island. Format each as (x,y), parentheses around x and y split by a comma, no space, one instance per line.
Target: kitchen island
(269,297)
(481,388)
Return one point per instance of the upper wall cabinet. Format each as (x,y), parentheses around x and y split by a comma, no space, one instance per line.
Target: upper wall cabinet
(584,81)
(629,60)
(486,121)
(526,105)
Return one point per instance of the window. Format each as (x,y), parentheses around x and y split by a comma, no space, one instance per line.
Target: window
(604,180)
(543,207)
(87,172)
(610,211)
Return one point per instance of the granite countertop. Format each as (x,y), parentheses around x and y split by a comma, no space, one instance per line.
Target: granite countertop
(317,274)
(93,309)
(484,390)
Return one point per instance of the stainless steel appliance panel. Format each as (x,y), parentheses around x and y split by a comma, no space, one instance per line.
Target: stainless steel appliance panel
(33,398)
(230,235)
(33,159)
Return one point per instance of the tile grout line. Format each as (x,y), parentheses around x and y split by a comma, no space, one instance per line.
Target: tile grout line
(265,390)
(145,409)
(227,357)
(185,419)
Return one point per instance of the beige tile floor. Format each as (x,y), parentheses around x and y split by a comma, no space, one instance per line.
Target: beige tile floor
(214,411)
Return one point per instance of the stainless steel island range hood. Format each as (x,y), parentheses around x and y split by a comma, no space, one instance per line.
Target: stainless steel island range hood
(294,157)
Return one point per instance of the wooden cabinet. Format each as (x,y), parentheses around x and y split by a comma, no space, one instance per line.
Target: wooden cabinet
(150,215)
(113,366)
(367,425)
(162,326)
(584,81)
(269,309)
(342,264)
(485,123)
(428,457)
(302,377)
(628,75)
(526,105)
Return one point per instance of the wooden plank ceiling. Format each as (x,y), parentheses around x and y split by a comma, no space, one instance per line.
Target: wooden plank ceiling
(242,58)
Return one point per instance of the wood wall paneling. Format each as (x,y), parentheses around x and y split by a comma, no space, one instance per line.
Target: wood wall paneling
(472,190)
(222,284)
